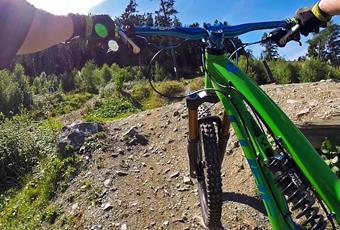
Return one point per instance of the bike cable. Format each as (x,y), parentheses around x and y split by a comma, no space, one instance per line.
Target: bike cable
(149,69)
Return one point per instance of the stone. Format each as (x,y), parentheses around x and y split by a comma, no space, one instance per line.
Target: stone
(72,137)
(108,182)
(187,180)
(176,113)
(303,112)
(174,175)
(121,173)
(132,137)
(123,227)
(166,223)
(107,206)
(290,101)
(75,206)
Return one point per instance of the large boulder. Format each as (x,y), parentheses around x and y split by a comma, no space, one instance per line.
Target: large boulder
(72,137)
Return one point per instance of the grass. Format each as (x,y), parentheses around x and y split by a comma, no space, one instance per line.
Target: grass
(39,172)
(53,105)
(32,205)
(110,109)
(196,84)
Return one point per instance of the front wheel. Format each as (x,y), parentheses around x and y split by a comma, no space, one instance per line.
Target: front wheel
(209,176)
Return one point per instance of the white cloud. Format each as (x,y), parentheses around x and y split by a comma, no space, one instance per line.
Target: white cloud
(65,6)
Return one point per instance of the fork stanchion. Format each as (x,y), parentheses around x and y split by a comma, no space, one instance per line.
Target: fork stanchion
(224,136)
(193,142)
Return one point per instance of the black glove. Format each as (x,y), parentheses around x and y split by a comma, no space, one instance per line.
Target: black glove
(99,27)
(311,19)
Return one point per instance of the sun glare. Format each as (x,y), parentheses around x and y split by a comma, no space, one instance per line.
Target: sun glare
(61,7)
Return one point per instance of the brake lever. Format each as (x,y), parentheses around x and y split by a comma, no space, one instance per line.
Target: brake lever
(284,40)
(135,48)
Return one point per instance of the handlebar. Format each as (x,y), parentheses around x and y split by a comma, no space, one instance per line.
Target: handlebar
(200,33)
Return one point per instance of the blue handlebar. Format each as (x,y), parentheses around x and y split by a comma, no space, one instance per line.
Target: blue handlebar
(199,33)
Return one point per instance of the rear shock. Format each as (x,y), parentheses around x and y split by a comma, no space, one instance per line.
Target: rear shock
(298,195)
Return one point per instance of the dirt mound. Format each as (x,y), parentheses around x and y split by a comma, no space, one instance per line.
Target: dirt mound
(138,178)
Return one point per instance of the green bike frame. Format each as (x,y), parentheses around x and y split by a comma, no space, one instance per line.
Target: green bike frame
(220,71)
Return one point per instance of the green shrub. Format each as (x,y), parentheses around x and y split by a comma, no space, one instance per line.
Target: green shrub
(254,68)
(110,109)
(284,72)
(12,93)
(172,88)
(31,206)
(141,91)
(107,91)
(315,70)
(67,82)
(118,78)
(196,84)
(159,73)
(155,101)
(91,77)
(22,144)
(58,104)
(106,73)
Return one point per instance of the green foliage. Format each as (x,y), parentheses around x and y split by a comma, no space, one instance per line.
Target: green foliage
(159,73)
(67,82)
(284,72)
(110,109)
(14,91)
(326,45)
(22,145)
(30,206)
(270,49)
(58,104)
(173,88)
(331,154)
(106,73)
(196,84)
(119,80)
(25,200)
(141,91)
(107,91)
(254,68)
(90,77)
(315,70)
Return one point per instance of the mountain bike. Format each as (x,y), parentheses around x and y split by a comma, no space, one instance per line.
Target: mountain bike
(292,179)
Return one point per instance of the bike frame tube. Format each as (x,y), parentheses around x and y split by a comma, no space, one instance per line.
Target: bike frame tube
(319,175)
(275,207)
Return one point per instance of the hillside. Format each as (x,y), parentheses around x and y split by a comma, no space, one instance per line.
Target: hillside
(134,174)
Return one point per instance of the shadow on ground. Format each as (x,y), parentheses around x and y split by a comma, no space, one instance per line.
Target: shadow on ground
(245,199)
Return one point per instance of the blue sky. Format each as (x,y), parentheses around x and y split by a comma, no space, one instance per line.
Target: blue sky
(234,12)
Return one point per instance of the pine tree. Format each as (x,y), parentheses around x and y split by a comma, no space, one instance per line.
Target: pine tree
(149,19)
(333,44)
(131,15)
(166,13)
(326,44)
(270,50)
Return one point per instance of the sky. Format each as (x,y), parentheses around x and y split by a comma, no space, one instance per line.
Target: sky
(234,12)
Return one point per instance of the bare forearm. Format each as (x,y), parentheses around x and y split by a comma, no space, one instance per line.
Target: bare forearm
(46,30)
(331,7)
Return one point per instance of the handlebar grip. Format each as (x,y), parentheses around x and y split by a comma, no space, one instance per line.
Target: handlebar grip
(135,48)
(283,41)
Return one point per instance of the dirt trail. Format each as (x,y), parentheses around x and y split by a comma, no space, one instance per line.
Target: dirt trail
(144,185)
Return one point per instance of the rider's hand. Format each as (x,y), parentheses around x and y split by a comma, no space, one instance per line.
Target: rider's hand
(311,19)
(99,27)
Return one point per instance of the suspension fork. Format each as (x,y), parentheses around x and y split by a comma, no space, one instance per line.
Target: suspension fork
(224,135)
(193,102)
